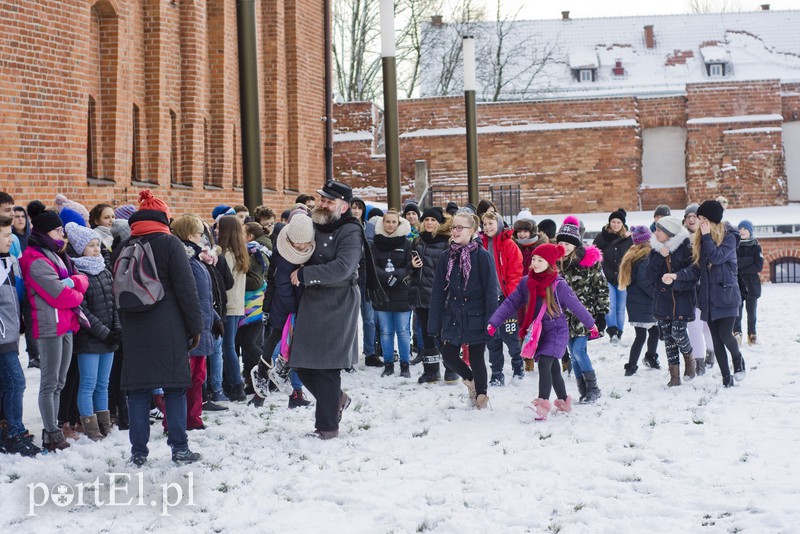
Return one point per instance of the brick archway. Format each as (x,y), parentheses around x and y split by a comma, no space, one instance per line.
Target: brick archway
(105,7)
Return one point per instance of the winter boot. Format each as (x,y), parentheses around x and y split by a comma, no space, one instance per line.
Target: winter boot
(430,372)
(566,364)
(237,393)
(373,361)
(530,365)
(581,388)
(613,332)
(450,376)
(297,399)
(471,393)
(542,409)
(22,444)
(710,359)
(674,376)
(689,371)
(592,391)
(404,372)
(54,441)
(700,366)
(498,380)
(564,405)
(728,381)
(482,402)
(388,369)
(751,339)
(630,369)
(104,421)
(91,428)
(651,360)
(519,371)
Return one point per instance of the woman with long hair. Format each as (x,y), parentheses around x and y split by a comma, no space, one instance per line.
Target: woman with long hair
(614,241)
(230,236)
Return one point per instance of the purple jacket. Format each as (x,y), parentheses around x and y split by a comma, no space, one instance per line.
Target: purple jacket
(555,330)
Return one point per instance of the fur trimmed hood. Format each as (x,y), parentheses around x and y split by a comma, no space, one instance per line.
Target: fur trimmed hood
(403,229)
(591,256)
(672,243)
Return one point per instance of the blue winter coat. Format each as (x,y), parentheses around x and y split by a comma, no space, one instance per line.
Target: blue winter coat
(676,301)
(641,290)
(750,261)
(718,294)
(460,314)
(205,301)
(555,329)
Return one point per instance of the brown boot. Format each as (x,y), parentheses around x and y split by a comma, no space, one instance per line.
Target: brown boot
(690,371)
(91,428)
(104,421)
(54,441)
(674,375)
(530,365)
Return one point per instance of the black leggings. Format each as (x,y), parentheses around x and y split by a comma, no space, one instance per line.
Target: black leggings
(722,335)
(478,370)
(651,334)
(550,378)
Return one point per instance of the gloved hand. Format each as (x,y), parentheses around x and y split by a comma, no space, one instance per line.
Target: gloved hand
(218,329)
(114,337)
(491,329)
(600,322)
(194,341)
(69,282)
(594,333)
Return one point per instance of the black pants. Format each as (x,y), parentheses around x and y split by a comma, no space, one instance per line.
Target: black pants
(751,304)
(550,378)
(477,372)
(651,335)
(326,386)
(722,335)
(117,400)
(68,403)
(251,340)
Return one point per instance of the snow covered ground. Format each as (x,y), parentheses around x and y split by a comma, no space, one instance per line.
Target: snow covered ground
(644,458)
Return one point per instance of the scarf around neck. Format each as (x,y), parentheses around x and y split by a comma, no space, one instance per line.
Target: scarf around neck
(93,265)
(53,248)
(537,290)
(462,252)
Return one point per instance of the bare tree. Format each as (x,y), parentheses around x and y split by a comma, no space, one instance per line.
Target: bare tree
(412,15)
(714,6)
(356,48)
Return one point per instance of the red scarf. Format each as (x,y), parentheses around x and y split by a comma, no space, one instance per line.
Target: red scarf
(537,289)
(148,227)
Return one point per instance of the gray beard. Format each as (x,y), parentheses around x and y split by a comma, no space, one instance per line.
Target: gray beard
(321,216)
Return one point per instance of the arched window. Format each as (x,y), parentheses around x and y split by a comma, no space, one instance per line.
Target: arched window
(91,140)
(785,270)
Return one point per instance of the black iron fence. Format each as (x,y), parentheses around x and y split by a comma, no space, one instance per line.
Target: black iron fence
(505,197)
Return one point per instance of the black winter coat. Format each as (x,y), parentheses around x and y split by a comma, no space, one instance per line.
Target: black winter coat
(285,296)
(221,282)
(641,290)
(613,246)
(750,260)
(676,301)
(99,308)
(396,250)
(430,250)
(157,341)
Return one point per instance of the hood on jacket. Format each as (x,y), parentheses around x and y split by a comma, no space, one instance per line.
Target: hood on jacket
(592,256)
(402,229)
(672,243)
(501,235)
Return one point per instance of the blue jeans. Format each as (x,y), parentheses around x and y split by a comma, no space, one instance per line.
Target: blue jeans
(395,324)
(139,419)
(616,307)
(94,370)
(232,372)
(579,357)
(214,377)
(367,325)
(12,387)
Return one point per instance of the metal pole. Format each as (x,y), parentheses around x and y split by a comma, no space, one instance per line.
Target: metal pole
(390,122)
(328,94)
(248,103)
(472,120)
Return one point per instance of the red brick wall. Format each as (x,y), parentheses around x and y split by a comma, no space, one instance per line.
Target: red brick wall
(775,249)
(161,56)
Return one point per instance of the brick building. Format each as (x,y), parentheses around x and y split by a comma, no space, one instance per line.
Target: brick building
(102,98)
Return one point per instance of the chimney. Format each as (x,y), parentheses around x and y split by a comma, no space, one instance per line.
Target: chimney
(764,7)
(565,15)
(618,69)
(649,38)
(436,20)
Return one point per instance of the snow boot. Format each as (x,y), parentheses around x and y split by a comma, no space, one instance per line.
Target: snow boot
(54,441)
(592,391)
(710,359)
(404,372)
(91,428)
(104,421)
(674,376)
(388,369)
(651,360)
(630,369)
(581,388)
(471,393)
(542,408)
(430,365)
(564,405)
(519,370)
(700,366)
(450,376)
(728,381)
(689,371)
(530,365)
(482,401)
(566,364)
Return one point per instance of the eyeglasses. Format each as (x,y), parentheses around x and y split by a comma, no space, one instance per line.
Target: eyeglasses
(460,228)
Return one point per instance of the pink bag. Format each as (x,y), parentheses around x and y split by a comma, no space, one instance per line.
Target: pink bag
(531,340)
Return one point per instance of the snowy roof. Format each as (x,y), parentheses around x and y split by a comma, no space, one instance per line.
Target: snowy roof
(758,45)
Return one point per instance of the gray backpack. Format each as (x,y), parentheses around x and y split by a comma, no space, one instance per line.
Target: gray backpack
(135,283)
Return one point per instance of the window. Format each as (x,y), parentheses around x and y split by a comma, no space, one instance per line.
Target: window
(586,75)
(91,141)
(664,157)
(785,270)
(206,155)
(716,70)
(173,152)
(237,176)
(136,149)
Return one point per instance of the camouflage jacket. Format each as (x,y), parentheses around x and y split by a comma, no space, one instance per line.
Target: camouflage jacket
(584,274)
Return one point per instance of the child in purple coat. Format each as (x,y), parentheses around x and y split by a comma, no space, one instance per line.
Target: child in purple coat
(544,287)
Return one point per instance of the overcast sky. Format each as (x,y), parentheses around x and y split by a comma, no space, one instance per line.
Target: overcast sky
(544,9)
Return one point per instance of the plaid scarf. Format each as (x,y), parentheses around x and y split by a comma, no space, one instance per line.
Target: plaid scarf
(462,252)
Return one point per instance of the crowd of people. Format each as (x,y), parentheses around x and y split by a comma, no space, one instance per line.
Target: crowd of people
(134,314)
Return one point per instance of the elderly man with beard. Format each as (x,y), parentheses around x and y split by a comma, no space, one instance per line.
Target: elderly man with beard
(326,331)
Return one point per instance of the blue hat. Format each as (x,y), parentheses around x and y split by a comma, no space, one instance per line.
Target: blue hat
(69,215)
(748,225)
(219,210)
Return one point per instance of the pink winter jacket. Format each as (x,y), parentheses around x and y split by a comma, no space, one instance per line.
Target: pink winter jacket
(54,305)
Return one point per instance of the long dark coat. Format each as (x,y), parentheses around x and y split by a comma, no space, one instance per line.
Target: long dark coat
(326,328)
(157,341)
(613,246)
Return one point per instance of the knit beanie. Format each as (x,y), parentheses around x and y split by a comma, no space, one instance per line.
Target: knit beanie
(670,225)
(120,228)
(43,219)
(548,227)
(62,202)
(219,210)
(80,236)
(147,201)
(570,232)
(125,211)
(69,215)
(618,214)
(525,214)
(711,210)
(300,229)
(661,211)
(435,213)
(451,208)
(550,253)
(411,206)
(640,234)
(691,208)
(746,225)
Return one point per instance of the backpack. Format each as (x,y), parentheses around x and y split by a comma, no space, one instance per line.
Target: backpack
(135,283)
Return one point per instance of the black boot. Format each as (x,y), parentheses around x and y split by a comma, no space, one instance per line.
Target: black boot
(373,361)
(592,391)
(404,372)
(581,388)
(430,373)
(388,369)
(630,369)
(651,360)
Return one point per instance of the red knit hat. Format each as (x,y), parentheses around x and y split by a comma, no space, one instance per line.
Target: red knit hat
(147,201)
(550,252)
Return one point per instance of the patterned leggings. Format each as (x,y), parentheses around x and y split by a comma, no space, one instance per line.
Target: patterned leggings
(676,340)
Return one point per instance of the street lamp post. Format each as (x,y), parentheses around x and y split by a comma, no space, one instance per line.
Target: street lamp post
(391,130)
(468,44)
